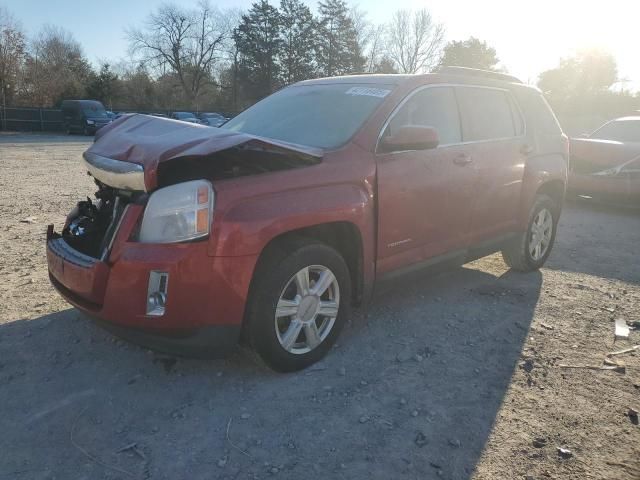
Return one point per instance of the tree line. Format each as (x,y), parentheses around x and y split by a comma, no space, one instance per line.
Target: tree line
(204,58)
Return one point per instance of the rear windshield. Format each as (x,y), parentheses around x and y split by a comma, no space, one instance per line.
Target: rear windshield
(324,116)
(619,131)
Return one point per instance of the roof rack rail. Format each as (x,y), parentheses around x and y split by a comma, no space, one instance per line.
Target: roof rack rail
(476,72)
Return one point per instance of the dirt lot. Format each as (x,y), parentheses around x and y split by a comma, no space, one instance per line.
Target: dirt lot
(455,376)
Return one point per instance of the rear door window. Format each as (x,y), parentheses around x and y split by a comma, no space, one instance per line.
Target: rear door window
(486,114)
(431,107)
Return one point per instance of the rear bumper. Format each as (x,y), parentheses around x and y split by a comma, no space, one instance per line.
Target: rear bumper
(206,296)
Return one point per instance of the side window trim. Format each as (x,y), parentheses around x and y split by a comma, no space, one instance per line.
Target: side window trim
(455,87)
(516,110)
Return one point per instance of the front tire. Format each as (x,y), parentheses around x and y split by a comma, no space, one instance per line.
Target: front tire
(530,249)
(299,303)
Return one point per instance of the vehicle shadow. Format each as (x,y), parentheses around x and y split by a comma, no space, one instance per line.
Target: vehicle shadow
(598,240)
(412,390)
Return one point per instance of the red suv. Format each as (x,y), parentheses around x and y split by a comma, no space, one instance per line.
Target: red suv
(270,228)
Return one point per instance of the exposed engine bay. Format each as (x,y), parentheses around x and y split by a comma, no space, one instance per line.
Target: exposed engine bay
(91,225)
(231,163)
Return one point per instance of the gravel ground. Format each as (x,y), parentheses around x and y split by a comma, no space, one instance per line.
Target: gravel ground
(452,376)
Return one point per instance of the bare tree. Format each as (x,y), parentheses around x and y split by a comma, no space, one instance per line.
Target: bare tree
(12,53)
(376,48)
(187,43)
(362,24)
(370,37)
(414,40)
(56,68)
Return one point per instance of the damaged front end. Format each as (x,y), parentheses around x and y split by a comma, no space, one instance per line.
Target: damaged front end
(91,226)
(139,152)
(154,179)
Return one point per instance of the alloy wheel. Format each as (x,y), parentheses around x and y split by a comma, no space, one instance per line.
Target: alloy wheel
(307,309)
(540,235)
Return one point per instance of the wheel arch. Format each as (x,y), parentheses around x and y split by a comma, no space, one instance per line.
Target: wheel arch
(343,236)
(555,189)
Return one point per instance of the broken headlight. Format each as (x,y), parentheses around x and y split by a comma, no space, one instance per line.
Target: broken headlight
(178,213)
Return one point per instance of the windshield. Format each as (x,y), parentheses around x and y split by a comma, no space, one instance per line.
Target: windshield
(94,110)
(182,115)
(324,116)
(619,131)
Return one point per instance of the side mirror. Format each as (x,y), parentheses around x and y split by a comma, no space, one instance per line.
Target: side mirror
(411,137)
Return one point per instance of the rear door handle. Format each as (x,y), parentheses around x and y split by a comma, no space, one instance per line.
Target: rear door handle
(463,159)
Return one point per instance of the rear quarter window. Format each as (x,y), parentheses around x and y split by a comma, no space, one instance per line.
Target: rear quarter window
(486,114)
(539,113)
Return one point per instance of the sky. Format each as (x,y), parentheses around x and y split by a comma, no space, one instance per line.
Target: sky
(529,37)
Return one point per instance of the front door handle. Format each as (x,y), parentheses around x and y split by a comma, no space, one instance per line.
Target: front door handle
(463,159)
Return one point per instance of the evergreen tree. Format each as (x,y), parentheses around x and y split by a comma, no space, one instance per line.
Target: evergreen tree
(259,45)
(472,53)
(338,50)
(298,32)
(104,86)
(385,65)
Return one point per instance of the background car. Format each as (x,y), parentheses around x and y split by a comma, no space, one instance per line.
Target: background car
(625,130)
(185,117)
(84,116)
(605,165)
(212,119)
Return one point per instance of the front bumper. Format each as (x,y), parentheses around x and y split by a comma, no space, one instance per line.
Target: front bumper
(206,295)
(97,126)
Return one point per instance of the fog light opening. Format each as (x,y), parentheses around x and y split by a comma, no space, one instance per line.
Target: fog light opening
(157,293)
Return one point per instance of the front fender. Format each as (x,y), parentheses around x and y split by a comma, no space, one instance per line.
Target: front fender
(246,227)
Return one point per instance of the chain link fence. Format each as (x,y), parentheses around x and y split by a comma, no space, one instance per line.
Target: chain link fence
(31,119)
(27,119)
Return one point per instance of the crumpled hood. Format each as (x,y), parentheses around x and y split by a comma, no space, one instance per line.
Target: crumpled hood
(146,140)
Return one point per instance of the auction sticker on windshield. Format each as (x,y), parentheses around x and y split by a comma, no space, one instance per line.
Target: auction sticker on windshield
(368,91)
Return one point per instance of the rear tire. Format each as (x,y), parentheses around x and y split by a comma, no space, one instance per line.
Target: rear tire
(290,325)
(530,250)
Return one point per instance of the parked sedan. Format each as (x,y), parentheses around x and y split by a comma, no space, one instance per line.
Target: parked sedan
(605,165)
(185,117)
(212,119)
